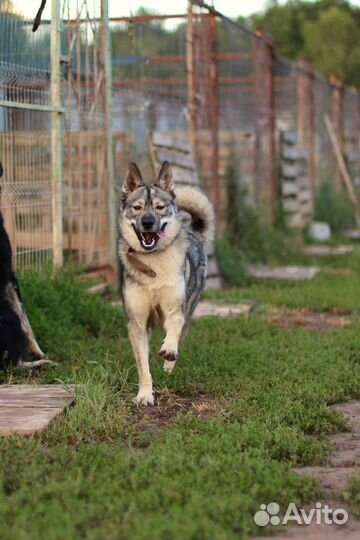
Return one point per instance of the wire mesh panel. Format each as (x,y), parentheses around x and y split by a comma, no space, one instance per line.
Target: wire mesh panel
(201,78)
(285,94)
(86,188)
(236,54)
(205,101)
(149,84)
(25,136)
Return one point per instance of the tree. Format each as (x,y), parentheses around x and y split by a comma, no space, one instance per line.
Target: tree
(284,23)
(333,44)
(325,31)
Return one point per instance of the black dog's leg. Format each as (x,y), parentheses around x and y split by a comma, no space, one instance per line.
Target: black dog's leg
(14,294)
(14,298)
(16,335)
(13,343)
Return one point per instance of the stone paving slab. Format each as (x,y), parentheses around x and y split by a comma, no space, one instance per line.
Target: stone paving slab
(205,308)
(295,273)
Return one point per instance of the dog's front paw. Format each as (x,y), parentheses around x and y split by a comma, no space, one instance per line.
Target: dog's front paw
(170,356)
(170,359)
(144,397)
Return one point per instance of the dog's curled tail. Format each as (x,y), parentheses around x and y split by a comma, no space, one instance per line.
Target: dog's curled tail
(194,202)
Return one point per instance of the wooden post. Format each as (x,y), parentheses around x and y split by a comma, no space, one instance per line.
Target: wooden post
(336,114)
(56,136)
(306,114)
(190,72)
(107,66)
(266,181)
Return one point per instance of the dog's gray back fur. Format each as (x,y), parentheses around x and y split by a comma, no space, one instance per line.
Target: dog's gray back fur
(195,274)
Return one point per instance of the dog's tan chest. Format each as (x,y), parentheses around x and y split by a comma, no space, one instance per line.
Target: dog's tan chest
(165,268)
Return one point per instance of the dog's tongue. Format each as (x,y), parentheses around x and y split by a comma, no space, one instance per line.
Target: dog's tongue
(161,234)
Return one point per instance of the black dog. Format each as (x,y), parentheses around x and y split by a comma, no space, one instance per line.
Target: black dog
(16,336)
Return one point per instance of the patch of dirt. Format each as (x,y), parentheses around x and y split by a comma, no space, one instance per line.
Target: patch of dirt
(167,407)
(310,320)
(332,479)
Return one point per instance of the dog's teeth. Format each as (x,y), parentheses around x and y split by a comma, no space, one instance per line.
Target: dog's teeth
(145,242)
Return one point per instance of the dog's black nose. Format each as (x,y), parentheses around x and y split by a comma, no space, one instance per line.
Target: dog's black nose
(148,222)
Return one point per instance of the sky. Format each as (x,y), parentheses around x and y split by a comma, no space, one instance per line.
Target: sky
(231,8)
(119,8)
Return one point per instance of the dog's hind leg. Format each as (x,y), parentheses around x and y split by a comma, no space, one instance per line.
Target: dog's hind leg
(32,343)
(137,305)
(172,308)
(14,298)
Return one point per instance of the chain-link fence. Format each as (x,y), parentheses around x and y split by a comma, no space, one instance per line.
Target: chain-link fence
(149,82)
(28,195)
(196,76)
(86,222)
(252,106)
(25,104)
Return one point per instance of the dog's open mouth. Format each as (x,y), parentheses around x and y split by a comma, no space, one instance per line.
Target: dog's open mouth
(148,240)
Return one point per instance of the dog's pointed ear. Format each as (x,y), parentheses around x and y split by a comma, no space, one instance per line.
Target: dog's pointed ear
(165,178)
(133,179)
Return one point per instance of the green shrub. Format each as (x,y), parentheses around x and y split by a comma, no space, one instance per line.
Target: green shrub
(247,238)
(333,208)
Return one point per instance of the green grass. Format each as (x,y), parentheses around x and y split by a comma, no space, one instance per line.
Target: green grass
(351,494)
(94,474)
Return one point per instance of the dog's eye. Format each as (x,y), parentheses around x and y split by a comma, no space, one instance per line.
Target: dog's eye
(160,207)
(137,207)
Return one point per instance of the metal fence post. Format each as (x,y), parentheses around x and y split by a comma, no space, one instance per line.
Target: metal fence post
(214,114)
(56,136)
(107,65)
(190,75)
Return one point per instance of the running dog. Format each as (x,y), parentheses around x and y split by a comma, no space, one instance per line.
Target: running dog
(163,233)
(16,336)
